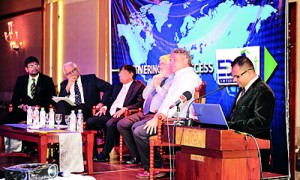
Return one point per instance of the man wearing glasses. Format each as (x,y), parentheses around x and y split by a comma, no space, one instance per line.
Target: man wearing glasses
(253,108)
(83,90)
(33,89)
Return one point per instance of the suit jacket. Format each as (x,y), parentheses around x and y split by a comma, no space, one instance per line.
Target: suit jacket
(134,97)
(253,112)
(45,89)
(92,86)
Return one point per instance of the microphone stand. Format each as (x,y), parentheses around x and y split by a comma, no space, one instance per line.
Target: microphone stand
(188,121)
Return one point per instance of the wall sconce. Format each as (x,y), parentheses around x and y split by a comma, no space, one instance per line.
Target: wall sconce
(12,38)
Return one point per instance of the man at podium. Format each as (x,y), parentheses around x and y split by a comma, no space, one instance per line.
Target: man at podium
(253,108)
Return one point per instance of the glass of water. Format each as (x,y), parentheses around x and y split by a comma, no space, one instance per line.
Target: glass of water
(58,119)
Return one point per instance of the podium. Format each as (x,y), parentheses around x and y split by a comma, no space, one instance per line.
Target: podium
(211,154)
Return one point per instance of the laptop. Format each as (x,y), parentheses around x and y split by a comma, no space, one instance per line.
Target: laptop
(210,116)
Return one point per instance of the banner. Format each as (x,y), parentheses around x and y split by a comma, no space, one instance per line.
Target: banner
(215,32)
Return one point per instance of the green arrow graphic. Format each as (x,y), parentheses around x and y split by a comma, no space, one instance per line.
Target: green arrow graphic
(270,64)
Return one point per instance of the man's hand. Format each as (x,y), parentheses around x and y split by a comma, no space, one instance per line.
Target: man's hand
(151,126)
(119,113)
(101,111)
(71,81)
(157,79)
(99,106)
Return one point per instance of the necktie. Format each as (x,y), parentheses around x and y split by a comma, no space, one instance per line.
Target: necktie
(233,111)
(150,97)
(32,88)
(77,94)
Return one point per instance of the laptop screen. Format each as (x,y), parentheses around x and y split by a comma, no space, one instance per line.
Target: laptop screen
(210,116)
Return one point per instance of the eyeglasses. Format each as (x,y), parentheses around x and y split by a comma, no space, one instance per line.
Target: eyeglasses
(238,76)
(32,66)
(71,72)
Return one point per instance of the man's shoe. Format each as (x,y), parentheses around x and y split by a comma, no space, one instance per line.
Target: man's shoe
(146,174)
(101,158)
(133,160)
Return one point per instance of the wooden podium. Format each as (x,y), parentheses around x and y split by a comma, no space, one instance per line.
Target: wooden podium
(211,154)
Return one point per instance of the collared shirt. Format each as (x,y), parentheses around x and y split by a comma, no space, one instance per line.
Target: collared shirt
(36,78)
(72,91)
(119,102)
(184,80)
(160,93)
(248,86)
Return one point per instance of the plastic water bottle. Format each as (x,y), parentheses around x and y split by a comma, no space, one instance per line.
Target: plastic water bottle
(36,117)
(79,121)
(42,117)
(72,121)
(51,118)
(29,116)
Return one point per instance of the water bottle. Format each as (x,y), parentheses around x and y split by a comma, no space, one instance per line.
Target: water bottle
(72,121)
(36,117)
(51,118)
(79,121)
(29,116)
(42,117)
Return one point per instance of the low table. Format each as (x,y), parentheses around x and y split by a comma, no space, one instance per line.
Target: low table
(43,138)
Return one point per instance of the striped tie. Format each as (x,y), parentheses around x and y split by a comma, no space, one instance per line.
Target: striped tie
(32,88)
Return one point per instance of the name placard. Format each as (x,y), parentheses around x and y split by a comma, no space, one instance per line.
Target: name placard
(191,137)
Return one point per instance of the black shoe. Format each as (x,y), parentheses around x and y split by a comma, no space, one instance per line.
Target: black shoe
(133,160)
(101,158)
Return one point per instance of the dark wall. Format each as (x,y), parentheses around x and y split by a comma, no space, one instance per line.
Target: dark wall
(27,17)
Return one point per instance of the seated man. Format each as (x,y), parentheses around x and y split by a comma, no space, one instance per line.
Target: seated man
(33,89)
(153,94)
(185,79)
(83,90)
(253,108)
(127,94)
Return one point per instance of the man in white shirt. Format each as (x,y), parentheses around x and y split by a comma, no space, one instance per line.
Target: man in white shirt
(153,94)
(83,90)
(125,95)
(185,79)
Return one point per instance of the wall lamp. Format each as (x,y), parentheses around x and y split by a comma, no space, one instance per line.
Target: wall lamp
(12,38)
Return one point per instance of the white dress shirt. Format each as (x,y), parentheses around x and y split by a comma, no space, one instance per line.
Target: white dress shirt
(160,93)
(72,91)
(184,80)
(119,102)
(36,78)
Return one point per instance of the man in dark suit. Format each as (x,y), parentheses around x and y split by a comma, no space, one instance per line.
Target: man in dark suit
(253,108)
(83,90)
(126,95)
(33,89)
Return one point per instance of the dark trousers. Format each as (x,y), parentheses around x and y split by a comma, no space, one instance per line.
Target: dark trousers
(97,123)
(124,126)
(142,142)
(17,115)
(65,108)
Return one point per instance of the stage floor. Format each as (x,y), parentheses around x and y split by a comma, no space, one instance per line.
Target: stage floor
(112,170)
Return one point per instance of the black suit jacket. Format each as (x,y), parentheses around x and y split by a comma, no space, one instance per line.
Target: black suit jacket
(45,89)
(253,113)
(92,86)
(134,98)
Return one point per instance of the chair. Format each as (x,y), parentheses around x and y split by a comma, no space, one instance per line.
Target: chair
(157,140)
(121,144)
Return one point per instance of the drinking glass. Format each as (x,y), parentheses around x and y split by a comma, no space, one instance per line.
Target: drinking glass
(58,119)
(67,120)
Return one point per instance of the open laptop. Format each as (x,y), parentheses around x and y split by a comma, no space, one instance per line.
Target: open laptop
(210,116)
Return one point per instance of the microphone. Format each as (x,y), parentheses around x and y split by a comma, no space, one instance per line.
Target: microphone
(187,95)
(189,121)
